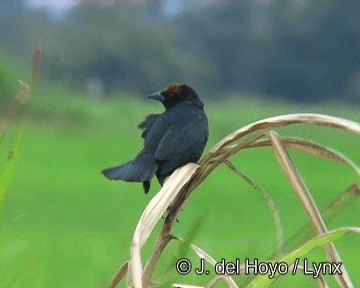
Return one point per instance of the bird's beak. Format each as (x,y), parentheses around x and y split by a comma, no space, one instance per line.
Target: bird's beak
(157,96)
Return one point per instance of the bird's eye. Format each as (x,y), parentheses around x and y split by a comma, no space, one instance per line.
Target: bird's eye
(171,95)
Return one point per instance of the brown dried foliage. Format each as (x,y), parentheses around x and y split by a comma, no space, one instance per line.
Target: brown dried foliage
(186,179)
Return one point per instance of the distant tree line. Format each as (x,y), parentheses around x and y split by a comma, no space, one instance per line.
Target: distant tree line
(303,50)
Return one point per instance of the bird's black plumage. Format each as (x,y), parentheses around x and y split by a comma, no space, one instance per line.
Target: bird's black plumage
(171,139)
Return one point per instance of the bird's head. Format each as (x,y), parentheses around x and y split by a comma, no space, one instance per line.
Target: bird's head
(175,94)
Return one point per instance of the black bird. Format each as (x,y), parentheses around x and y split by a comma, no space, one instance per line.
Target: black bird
(171,139)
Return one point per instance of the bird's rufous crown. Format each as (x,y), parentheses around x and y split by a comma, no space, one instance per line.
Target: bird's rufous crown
(174,89)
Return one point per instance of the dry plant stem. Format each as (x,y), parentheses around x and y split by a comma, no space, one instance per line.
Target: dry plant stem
(311,148)
(173,188)
(210,164)
(202,254)
(180,189)
(36,65)
(194,183)
(213,282)
(177,285)
(163,239)
(340,202)
(164,236)
(271,204)
(320,279)
(308,204)
(355,189)
(282,121)
(277,122)
(16,107)
(161,242)
(209,259)
(129,278)
(226,151)
(119,275)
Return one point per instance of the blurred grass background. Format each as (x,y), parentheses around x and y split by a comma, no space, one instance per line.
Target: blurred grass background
(66,226)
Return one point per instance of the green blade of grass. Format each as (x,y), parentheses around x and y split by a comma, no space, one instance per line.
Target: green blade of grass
(8,170)
(264,281)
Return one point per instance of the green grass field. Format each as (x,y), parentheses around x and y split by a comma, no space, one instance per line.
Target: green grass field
(66,226)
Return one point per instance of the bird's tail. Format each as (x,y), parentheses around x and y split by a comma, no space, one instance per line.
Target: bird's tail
(140,169)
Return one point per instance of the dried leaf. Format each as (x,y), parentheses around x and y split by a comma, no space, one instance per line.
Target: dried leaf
(179,187)
(119,275)
(289,119)
(153,212)
(202,254)
(312,148)
(185,286)
(308,204)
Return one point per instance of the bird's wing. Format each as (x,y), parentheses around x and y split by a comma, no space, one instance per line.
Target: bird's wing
(180,143)
(146,125)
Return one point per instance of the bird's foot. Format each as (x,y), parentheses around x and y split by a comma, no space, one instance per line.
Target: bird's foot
(168,211)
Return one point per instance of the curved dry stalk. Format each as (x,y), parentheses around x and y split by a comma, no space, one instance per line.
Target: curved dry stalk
(321,281)
(216,160)
(329,212)
(308,204)
(207,257)
(192,176)
(16,107)
(269,201)
(177,285)
(311,148)
(118,275)
(282,121)
(130,283)
(151,215)
(202,254)
(213,281)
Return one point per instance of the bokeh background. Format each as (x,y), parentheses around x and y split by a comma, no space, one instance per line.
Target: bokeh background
(66,226)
